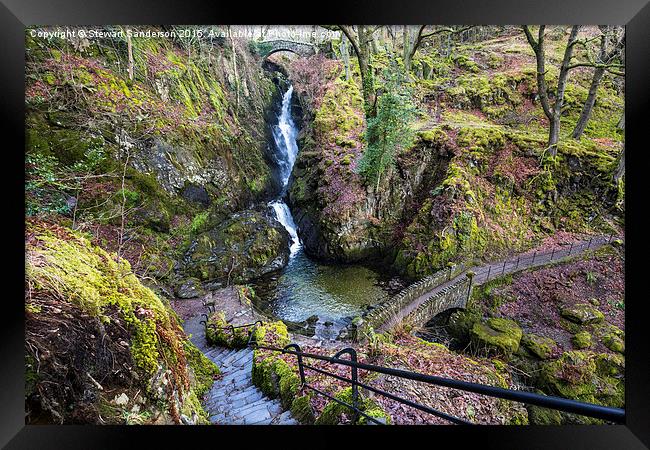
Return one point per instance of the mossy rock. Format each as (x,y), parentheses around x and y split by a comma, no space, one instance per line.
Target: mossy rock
(582,313)
(585,376)
(272,334)
(461,322)
(301,409)
(540,346)
(581,340)
(218,332)
(614,339)
(496,335)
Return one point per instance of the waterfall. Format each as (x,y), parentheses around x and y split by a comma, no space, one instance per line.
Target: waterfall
(284,135)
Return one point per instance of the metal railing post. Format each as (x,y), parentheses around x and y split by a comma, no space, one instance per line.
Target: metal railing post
(488,274)
(517,265)
(552,254)
(355,378)
(589,244)
(570,248)
(301,369)
(534,254)
(504,268)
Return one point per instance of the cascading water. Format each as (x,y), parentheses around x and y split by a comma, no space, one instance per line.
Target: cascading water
(284,135)
(305,287)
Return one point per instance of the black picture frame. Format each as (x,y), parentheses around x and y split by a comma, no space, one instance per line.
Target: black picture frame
(16,15)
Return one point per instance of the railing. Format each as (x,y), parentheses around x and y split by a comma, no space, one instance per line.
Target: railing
(538,258)
(616,415)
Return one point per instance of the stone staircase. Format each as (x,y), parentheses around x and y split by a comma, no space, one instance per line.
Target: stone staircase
(233,398)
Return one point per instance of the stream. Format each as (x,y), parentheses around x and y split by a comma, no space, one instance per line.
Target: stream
(305,288)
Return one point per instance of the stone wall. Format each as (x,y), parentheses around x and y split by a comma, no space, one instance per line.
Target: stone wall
(392,306)
(453,296)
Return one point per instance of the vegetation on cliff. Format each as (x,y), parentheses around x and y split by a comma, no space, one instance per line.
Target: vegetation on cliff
(101,347)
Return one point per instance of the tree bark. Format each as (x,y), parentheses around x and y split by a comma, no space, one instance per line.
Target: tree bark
(589,104)
(553,112)
(131,65)
(362,50)
(620,168)
(345,54)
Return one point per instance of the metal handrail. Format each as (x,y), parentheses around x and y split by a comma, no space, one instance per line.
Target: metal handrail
(562,404)
(610,414)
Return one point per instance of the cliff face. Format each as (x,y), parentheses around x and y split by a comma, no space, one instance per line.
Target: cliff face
(149,159)
(476,182)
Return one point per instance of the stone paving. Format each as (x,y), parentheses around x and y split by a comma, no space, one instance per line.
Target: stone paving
(233,398)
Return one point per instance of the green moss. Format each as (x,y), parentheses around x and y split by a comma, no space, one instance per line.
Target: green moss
(497,334)
(581,340)
(331,414)
(203,368)
(301,409)
(585,376)
(541,347)
(582,313)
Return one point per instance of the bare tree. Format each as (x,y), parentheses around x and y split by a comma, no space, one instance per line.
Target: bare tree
(361,42)
(413,41)
(129,45)
(552,111)
(604,62)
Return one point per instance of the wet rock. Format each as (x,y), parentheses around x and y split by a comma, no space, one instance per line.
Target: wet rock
(496,335)
(329,323)
(196,194)
(191,288)
(582,313)
(121,400)
(312,319)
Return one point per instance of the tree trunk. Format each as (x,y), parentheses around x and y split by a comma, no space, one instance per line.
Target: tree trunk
(620,168)
(554,132)
(367,79)
(131,65)
(406,57)
(589,103)
(345,54)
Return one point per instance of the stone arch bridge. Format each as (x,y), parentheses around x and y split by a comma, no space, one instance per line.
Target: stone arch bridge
(451,288)
(299,48)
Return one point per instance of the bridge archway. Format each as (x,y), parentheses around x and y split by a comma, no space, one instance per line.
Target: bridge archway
(303,49)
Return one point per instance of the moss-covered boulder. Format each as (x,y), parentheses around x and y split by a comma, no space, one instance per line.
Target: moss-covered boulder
(582,313)
(539,346)
(461,322)
(244,247)
(585,376)
(581,339)
(496,335)
(612,337)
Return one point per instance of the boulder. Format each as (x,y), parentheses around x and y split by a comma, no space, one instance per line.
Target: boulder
(461,322)
(190,288)
(585,376)
(581,339)
(496,335)
(247,245)
(539,346)
(582,313)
